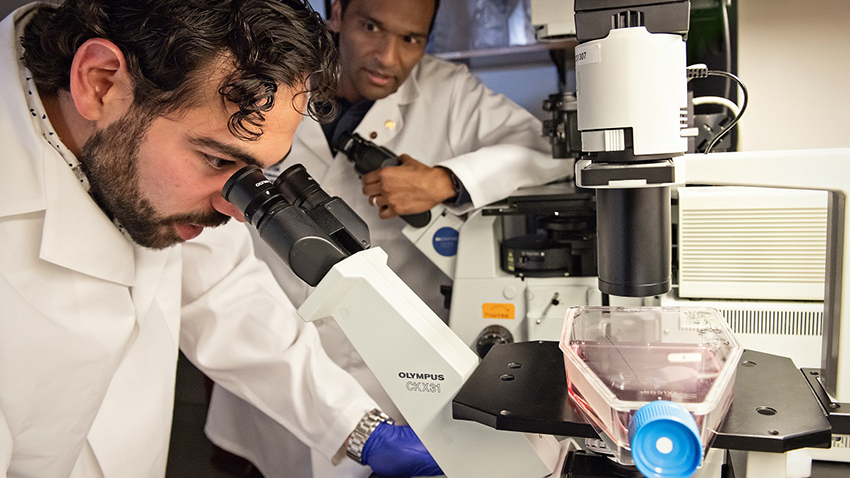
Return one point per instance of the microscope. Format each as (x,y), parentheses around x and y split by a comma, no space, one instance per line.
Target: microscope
(417,359)
(498,417)
(632,117)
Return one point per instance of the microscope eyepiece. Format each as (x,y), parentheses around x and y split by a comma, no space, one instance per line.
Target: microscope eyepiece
(346,141)
(250,191)
(366,155)
(300,189)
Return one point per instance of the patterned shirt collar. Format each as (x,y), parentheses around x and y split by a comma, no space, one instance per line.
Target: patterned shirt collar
(39,116)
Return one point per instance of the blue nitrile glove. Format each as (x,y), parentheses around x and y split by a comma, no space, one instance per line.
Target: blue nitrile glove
(394,450)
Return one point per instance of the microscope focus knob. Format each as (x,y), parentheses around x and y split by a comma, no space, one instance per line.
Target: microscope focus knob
(490,336)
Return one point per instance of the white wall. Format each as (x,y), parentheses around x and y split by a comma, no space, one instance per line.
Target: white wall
(794,57)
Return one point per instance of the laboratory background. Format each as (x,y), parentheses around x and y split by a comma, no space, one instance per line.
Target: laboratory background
(794,58)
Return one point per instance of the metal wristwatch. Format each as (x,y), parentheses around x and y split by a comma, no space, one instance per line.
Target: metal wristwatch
(367,424)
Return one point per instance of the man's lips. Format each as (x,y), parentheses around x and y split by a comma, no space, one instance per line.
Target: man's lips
(378,78)
(188,231)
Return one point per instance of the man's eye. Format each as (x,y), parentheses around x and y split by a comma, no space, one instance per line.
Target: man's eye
(370,27)
(217,163)
(412,40)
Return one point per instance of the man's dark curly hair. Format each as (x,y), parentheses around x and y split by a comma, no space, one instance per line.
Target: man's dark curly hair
(168,44)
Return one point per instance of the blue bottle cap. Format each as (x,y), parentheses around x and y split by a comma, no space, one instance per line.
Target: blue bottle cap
(665,441)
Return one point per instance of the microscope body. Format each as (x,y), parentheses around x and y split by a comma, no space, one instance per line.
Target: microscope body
(631,87)
(631,104)
(631,90)
(417,359)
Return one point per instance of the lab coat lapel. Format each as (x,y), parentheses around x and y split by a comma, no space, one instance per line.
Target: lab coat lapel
(77,234)
(382,122)
(385,118)
(310,148)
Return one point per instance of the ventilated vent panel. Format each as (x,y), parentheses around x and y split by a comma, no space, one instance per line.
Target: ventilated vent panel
(748,243)
(774,322)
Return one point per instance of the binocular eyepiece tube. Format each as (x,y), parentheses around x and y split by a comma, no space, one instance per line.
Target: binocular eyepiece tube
(281,213)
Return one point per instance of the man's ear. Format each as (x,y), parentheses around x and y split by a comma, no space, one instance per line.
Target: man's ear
(335,21)
(100,85)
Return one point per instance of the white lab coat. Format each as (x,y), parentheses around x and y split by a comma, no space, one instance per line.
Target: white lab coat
(90,323)
(442,115)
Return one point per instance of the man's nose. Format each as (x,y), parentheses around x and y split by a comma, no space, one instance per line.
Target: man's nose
(223,206)
(388,51)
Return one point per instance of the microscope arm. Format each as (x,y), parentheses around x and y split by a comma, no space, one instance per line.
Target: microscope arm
(806,169)
(421,364)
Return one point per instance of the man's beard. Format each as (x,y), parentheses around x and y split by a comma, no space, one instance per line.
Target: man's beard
(110,161)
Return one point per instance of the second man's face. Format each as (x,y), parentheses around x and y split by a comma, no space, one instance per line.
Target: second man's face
(380,41)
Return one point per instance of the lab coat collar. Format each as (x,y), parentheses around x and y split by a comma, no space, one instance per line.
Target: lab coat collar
(76,232)
(20,139)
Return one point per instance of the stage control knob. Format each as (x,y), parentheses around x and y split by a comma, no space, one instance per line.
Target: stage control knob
(490,336)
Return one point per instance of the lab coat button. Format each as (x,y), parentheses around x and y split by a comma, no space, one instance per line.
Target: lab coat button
(389,124)
(373,134)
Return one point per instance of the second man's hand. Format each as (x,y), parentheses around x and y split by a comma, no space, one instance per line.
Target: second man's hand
(409,188)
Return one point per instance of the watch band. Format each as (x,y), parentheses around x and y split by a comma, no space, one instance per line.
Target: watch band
(456,184)
(367,424)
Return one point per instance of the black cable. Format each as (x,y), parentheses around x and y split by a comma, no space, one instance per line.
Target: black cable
(744,101)
(700,71)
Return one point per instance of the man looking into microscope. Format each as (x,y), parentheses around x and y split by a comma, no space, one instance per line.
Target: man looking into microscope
(122,121)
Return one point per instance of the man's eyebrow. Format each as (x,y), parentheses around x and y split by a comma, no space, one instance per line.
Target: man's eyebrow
(227,149)
(382,26)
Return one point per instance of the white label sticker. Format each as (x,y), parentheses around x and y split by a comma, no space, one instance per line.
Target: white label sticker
(588,53)
(684,357)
